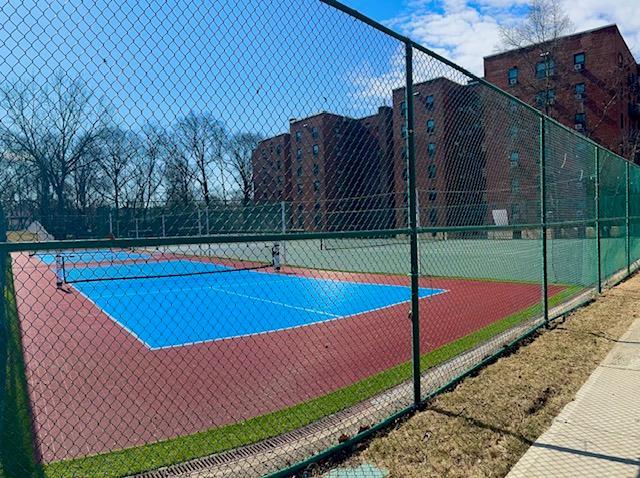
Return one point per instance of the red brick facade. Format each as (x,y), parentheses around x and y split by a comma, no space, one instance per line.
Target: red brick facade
(608,72)
(449,138)
(338,175)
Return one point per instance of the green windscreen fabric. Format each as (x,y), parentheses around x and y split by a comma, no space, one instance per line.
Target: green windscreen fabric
(634,213)
(570,206)
(613,230)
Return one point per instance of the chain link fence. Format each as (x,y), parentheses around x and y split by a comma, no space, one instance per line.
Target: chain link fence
(241,236)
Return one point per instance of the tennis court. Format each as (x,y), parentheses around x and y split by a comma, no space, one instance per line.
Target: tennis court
(150,296)
(142,329)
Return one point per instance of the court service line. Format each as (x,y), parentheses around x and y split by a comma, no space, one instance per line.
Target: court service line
(217,289)
(293,327)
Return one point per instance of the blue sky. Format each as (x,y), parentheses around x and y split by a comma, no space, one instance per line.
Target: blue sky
(254,64)
(378,10)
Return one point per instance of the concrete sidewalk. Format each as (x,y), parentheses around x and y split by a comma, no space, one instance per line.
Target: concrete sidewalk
(598,434)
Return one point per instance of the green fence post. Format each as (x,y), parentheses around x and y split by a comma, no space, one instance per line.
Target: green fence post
(599,266)
(626,209)
(4,338)
(413,226)
(543,220)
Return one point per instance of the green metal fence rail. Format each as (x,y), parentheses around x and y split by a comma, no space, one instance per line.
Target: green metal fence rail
(269,232)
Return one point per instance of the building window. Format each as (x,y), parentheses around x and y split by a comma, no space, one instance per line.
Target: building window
(299,154)
(278,150)
(581,90)
(580,121)
(315,149)
(432,195)
(545,69)
(404,152)
(317,220)
(299,171)
(433,216)
(547,97)
(431,171)
(515,185)
(278,164)
(428,102)
(316,206)
(314,132)
(299,188)
(431,149)
(403,109)
(515,213)
(298,135)
(316,185)
(513,76)
(300,216)
(404,131)
(431,126)
(514,159)
(578,61)
(316,169)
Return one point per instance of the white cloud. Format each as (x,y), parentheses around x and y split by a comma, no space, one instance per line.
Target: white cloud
(469,30)
(465,31)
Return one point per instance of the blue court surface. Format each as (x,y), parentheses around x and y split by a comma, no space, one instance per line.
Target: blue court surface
(174,311)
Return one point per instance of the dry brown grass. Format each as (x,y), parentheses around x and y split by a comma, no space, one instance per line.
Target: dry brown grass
(483,427)
(21,236)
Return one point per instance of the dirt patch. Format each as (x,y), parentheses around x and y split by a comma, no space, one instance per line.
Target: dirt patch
(485,425)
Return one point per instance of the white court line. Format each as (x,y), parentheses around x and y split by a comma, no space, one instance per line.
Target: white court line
(292,327)
(127,329)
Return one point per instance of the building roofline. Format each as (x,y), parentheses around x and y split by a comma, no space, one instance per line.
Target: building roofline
(564,37)
(426,82)
(277,136)
(315,115)
(322,113)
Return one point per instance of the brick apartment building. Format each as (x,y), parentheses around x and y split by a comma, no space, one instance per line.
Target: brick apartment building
(272,169)
(477,153)
(587,81)
(335,172)
(450,161)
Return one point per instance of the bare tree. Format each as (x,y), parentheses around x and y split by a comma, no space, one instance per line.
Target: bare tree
(21,135)
(540,32)
(54,129)
(120,149)
(240,151)
(148,171)
(203,140)
(178,175)
(88,184)
(17,177)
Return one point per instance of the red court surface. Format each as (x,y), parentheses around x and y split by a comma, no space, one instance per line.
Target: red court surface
(95,388)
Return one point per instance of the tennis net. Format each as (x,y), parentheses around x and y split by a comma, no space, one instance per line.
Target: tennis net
(138,264)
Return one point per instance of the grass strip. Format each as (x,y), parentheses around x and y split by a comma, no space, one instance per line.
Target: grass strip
(17,452)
